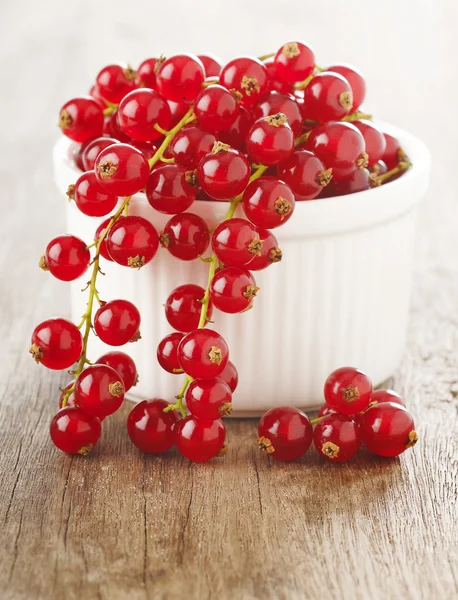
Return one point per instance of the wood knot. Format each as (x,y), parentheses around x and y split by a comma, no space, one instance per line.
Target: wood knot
(330,450)
(276,120)
(36,352)
(220,147)
(275,255)
(291,50)
(215,355)
(136,262)
(107,169)
(282,207)
(254,247)
(65,119)
(85,449)
(250,292)
(412,439)
(250,85)
(350,393)
(116,389)
(266,445)
(324,177)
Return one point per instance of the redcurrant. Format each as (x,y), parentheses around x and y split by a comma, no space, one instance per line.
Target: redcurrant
(357,181)
(200,440)
(115,81)
(203,354)
(81,119)
(184,305)
(215,108)
(268,202)
(66,257)
(276,84)
(248,76)
(92,149)
(99,391)
(270,140)
(337,437)
(90,197)
(122,169)
(212,64)
(99,231)
(117,322)
(236,242)
(356,81)
(150,428)
(374,140)
(171,189)
(56,344)
(224,173)
(70,397)
(190,145)
(167,353)
(325,410)
(209,399)
(393,153)
(235,136)
(185,236)
(348,390)
(379,396)
(286,104)
(73,431)
(123,365)
(270,252)
(132,241)
(305,174)
(140,111)
(230,376)
(327,97)
(180,77)
(285,433)
(147,73)
(233,290)
(387,429)
(294,61)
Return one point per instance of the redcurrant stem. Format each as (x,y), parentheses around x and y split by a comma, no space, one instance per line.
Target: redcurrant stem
(167,160)
(109,110)
(315,421)
(207,83)
(304,84)
(188,118)
(401,166)
(356,116)
(266,56)
(302,138)
(89,246)
(160,129)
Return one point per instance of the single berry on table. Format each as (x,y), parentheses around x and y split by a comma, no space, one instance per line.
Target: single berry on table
(132,242)
(74,431)
(81,119)
(203,354)
(270,252)
(270,140)
(171,189)
(184,305)
(336,437)
(122,169)
(248,76)
(268,202)
(167,353)
(233,290)
(185,236)
(223,173)
(115,81)
(305,174)
(150,428)
(56,344)
(140,111)
(285,433)
(200,440)
(66,257)
(387,429)
(348,390)
(236,242)
(209,399)
(180,77)
(117,322)
(90,197)
(123,364)
(99,391)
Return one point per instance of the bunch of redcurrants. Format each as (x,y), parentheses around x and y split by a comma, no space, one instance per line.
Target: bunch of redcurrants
(259,133)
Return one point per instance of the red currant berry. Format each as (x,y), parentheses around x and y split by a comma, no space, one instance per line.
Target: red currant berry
(327,97)
(387,429)
(70,398)
(150,428)
(235,136)
(122,169)
(337,438)
(147,73)
(216,108)
(75,432)
(167,353)
(112,128)
(339,146)
(270,252)
(276,84)
(147,149)
(209,399)
(99,231)
(268,202)
(180,77)
(190,145)
(393,153)
(285,433)
(66,257)
(90,197)
(379,396)
(286,104)
(203,354)
(270,140)
(99,391)
(348,390)
(92,149)
(325,410)
(123,365)
(357,181)
(230,376)
(95,93)
(224,173)
(305,174)
(236,242)
(200,440)
(117,322)
(171,189)
(115,81)
(248,76)
(132,241)
(212,64)
(140,111)
(233,290)
(294,62)
(81,119)
(56,344)
(184,305)
(379,168)
(356,81)
(185,236)
(374,140)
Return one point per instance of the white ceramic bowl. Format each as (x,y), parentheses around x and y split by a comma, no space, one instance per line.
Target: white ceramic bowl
(339,297)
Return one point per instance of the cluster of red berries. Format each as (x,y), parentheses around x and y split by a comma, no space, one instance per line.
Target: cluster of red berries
(259,133)
(353,413)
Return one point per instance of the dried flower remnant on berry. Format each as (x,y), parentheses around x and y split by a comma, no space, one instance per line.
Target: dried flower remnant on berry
(42,263)
(65,119)
(237,95)
(215,355)
(107,169)
(254,247)
(350,393)
(219,147)
(412,439)
(283,207)
(85,449)
(346,100)
(250,85)
(136,262)
(36,352)
(363,160)
(71,192)
(331,450)
(116,389)
(251,291)
(137,336)
(129,73)
(324,177)
(223,450)
(291,50)
(164,240)
(276,120)
(225,408)
(266,445)
(191,178)
(275,255)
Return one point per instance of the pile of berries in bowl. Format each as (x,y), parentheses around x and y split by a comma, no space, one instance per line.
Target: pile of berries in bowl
(262,134)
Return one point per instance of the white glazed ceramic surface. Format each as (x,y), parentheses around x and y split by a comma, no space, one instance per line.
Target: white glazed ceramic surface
(339,297)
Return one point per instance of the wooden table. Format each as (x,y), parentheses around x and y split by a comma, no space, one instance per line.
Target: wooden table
(118,524)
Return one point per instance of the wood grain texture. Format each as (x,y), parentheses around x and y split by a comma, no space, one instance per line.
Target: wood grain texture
(117,524)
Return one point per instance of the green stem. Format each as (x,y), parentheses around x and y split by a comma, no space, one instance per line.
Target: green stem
(188,118)
(266,56)
(356,116)
(377,180)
